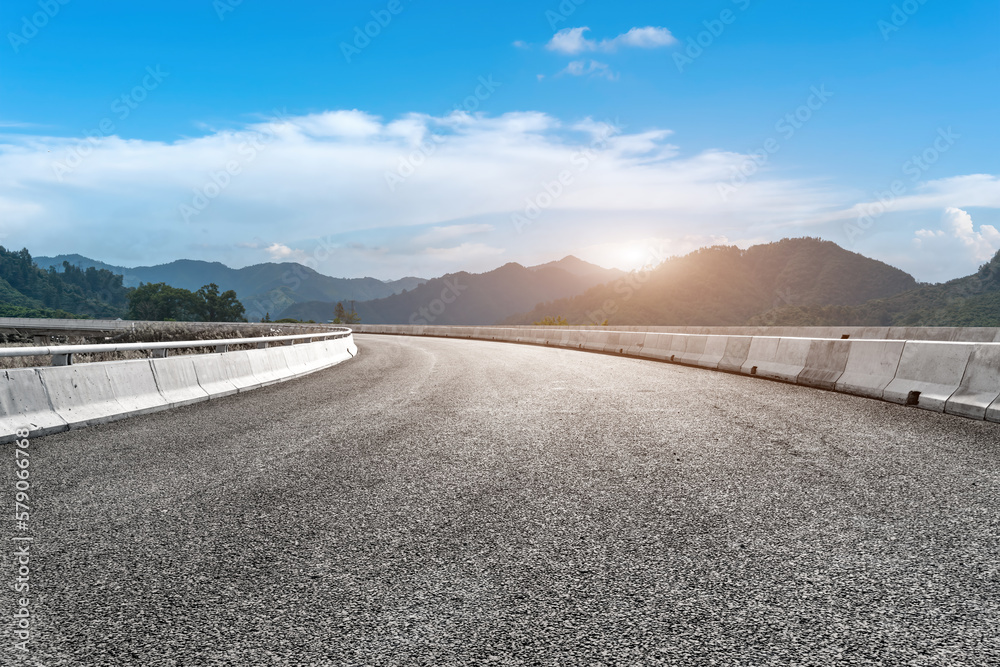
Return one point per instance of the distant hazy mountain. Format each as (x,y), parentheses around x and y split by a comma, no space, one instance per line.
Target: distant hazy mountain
(263,288)
(972,301)
(724,285)
(26,290)
(469,298)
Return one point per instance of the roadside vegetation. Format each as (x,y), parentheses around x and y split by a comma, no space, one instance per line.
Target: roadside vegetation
(146,333)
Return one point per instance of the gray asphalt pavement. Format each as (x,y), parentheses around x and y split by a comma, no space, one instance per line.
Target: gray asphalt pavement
(448,502)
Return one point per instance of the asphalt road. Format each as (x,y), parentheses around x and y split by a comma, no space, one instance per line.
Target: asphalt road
(448,502)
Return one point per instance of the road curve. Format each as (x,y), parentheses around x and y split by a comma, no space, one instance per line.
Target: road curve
(451,502)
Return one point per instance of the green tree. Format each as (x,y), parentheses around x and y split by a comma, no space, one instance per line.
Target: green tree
(549,321)
(159,302)
(339,313)
(216,307)
(341,316)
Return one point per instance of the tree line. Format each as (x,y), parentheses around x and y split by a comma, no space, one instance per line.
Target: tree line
(161,302)
(26,290)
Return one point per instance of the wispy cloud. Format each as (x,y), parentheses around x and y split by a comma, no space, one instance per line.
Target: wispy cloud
(322,176)
(572,41)
(592,68)
(981,244)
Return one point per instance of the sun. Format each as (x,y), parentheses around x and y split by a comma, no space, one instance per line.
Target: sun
(630,255)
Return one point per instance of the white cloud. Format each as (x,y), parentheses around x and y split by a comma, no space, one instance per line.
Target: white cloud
(967,191)
(465,251)
(955,249)
(572,41)
(645,38)
(583,68)
(279,252)
(983,243)
(300,179)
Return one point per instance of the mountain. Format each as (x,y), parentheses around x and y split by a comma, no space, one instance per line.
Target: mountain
(263,288)
(581,269)
(29,291)
(727,286)
(470,298)
(972,301)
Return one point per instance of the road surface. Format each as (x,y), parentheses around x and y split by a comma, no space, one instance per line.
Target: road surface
(452,502)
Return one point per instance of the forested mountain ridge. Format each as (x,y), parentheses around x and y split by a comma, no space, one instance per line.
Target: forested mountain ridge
(472,298)
(267,288)
(29,291)
(728,286)
(972,301)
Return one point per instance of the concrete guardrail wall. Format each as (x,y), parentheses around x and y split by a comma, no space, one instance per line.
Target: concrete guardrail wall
(57,398)
(44,327)
(957,377)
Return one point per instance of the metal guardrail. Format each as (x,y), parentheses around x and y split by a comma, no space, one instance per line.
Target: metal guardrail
(62,326)
(62,355)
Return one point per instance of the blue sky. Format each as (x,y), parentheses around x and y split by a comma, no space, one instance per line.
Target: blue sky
(460,135)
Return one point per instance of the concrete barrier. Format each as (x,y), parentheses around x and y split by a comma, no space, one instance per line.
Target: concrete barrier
(865,361)
(715,352)
(134,386)
(633,343)
(299,362)
(24,403)
(658,346)
(337,351)
(212,374)
(737,349)
(871,366)
(240,372)
(595,341)
(928,374)
(177,381)
(612,343)
(693,351)
(56,398)
(825,363)
(980,385)
(269,367)
(80,395)
(777,358)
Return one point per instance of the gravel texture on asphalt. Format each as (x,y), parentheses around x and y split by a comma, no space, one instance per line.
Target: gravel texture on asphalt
(452,502)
